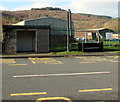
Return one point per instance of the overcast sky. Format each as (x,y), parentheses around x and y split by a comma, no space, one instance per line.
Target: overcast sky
(98,7)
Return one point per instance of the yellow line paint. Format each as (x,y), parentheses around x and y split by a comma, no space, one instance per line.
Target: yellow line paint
(33,62)
(28,94)
(18,64)
(115,61)
(98,59)
(114,56)
(53,98)
(54,62)
(59,62)
(7,61)
(44,60)
(92,90)
(87,62)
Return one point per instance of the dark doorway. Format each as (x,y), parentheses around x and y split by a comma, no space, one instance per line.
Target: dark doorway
(94,36)
(25,41)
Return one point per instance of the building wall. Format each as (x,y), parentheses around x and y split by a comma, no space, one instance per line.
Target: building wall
(1,34)
(43,37)
(9,42)
(103,32)
(41,40)
(60,39)
(1,38)
(58,26)
(58,43)
(81,34)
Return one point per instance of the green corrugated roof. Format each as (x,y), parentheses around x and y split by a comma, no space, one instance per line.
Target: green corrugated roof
(23,22)
(46,18)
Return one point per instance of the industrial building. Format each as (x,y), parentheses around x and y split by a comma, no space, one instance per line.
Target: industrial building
(92,33)
(36,35)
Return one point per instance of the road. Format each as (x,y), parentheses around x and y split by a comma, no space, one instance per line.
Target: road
(75,78)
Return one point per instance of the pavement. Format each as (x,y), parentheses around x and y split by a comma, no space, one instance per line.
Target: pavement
(41,55)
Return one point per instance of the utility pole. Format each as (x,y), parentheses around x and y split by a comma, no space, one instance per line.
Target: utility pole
(69,33)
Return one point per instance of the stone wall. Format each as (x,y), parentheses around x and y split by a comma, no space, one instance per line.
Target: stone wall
(1,34)
(9,42)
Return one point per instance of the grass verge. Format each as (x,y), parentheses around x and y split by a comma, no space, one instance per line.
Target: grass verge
(117,48)
(116,52)
(67,53)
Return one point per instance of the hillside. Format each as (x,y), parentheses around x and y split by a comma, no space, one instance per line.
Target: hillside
(81,21)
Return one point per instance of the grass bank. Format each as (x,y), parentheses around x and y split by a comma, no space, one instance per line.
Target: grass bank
(115,48)
(67,53)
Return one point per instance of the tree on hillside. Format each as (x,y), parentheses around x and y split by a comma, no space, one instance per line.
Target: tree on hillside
(48,8)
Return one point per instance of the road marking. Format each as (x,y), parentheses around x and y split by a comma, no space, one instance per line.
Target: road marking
(33,62)
(53,98)
(66,74)
(7,61)
(87,62)
(28,94)
(92,90)
(114,56)
(18,64)
(44,60)
(95,59)
(115,61)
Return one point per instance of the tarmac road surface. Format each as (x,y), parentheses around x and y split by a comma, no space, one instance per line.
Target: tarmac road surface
(74,78)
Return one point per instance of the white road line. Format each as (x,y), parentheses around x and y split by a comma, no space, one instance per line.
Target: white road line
(66,74)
